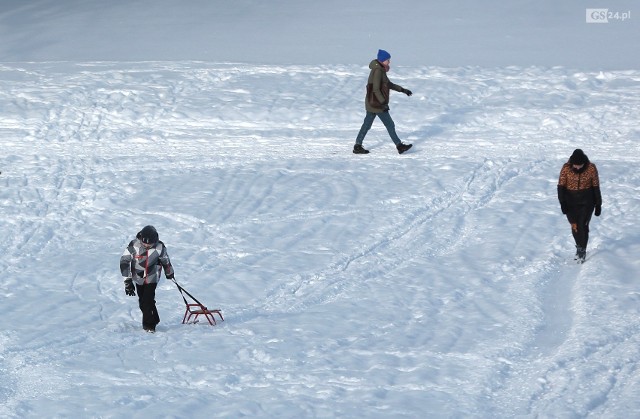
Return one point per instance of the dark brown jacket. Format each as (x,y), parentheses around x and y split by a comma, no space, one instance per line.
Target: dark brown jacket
(378,87)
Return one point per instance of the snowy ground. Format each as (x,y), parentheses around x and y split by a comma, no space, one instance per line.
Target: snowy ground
(439,283)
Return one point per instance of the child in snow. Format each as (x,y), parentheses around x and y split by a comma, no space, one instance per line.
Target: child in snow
(377,102)
(142,262)
(579,194)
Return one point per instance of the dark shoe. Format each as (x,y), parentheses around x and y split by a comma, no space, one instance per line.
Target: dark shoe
(582,254)
(403,147)
(358,149)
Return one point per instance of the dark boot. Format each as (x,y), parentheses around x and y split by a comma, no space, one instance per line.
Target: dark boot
(403,147)
(358,149)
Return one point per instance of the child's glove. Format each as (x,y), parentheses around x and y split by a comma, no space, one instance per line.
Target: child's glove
(129,289)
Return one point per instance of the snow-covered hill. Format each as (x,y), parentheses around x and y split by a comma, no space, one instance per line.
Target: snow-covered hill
(439,283)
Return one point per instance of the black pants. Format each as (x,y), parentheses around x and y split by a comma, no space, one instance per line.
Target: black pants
(147,303)
(579,218)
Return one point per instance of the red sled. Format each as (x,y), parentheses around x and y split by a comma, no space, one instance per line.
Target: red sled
(196,309)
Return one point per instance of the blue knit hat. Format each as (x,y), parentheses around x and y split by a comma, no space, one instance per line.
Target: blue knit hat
(383,55)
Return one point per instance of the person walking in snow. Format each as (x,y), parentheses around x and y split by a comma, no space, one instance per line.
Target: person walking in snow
(579,195)
(377,102)
(142,262)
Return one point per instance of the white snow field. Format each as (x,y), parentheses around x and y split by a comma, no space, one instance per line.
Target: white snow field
(435,284)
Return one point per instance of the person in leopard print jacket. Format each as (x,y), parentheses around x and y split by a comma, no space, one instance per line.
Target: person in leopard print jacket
(579,196)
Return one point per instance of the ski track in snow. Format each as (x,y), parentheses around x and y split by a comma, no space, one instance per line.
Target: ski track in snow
(374,277)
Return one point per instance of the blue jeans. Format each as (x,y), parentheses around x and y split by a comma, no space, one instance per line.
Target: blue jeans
(386,120)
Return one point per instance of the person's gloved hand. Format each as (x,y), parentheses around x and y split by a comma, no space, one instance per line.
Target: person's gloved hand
(129,289)
(407,92)
(598,210)
(563,207)
(170,276)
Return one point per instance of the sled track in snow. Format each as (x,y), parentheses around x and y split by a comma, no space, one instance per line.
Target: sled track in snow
(419,235)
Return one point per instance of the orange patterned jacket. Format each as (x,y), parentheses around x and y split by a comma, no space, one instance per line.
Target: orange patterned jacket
(579,187)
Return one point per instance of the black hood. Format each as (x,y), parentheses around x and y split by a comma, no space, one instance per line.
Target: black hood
(578,157)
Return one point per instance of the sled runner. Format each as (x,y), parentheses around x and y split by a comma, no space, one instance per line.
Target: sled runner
(196,308)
